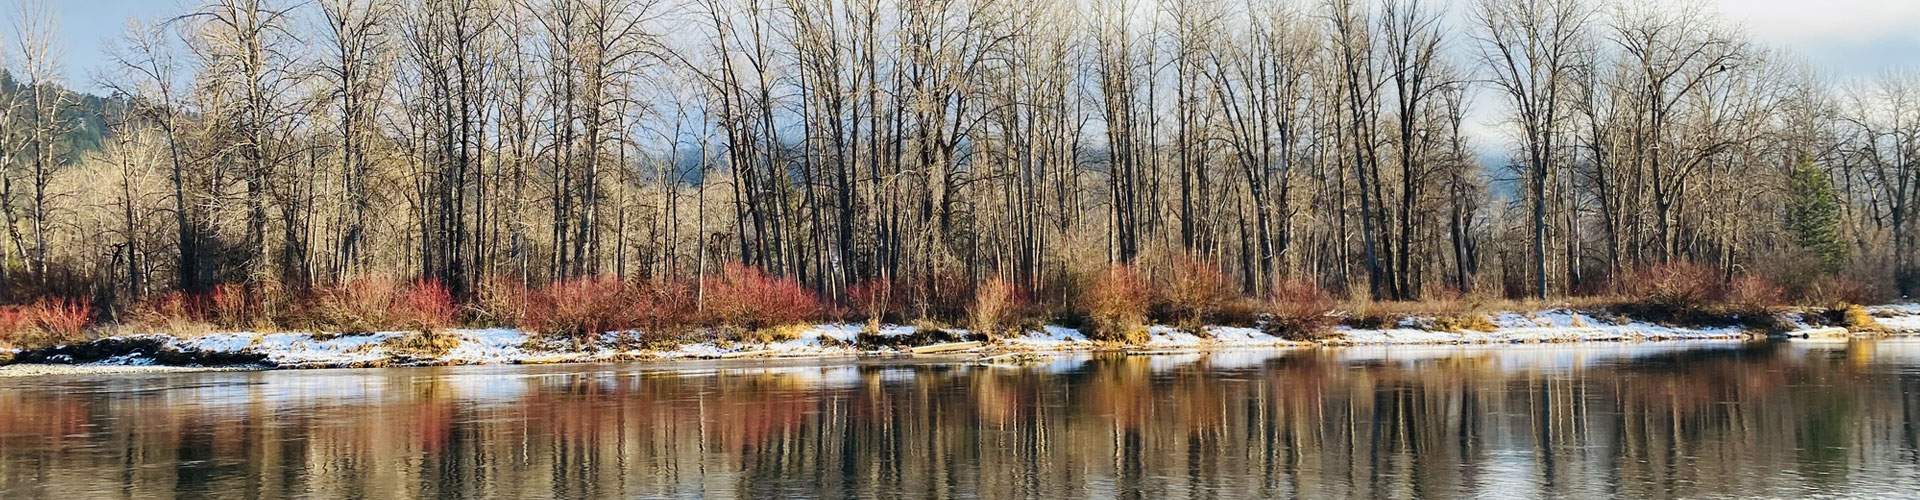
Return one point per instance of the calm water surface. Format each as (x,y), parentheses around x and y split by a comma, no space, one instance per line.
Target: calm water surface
(1638,421)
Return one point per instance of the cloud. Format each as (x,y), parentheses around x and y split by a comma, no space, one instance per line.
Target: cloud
(1847,38)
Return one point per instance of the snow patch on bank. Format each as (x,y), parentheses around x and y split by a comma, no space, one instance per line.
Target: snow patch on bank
(1891,310)
(1901,324)
(1055,337)
(1557,325)
(508,346)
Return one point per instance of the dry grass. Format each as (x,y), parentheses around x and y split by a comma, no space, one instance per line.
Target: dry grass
(1478,322)
(421,345)
(1854,318)
(766,335)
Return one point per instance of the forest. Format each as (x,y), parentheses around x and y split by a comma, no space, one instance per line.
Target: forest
(936,159)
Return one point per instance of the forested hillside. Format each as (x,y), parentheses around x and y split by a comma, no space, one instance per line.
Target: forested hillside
(929,147)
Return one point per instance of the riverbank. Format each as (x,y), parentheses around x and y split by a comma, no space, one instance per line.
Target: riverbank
(41,370)
(147,353)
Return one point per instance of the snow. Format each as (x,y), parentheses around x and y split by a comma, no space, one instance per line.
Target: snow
(1901,324)
(1556,325)
(1241,336)
(508,346)
(1907,309)
(489,346)
(1051,337)
(1167,336)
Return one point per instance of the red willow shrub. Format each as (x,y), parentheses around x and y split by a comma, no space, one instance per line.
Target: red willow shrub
(996,307)
(1192,292)
(579,309)
(47,322)
(877,299)
(1299,310)
(747,298)
(425,305)
(1115,306)
(1694,293)
(664,309)
(1675,286)
(15,323)
(230,306)
(374,304)
(1754,294)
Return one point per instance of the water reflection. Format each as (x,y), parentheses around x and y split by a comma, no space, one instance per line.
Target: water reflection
(1628,420)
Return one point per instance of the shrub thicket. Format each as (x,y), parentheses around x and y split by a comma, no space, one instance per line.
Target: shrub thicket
(1299,310)
(1115,307)
(46,322)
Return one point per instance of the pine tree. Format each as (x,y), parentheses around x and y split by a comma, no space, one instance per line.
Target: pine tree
(1813,215)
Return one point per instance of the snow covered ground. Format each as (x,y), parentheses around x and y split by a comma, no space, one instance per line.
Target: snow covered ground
(507,346)
(1557,325)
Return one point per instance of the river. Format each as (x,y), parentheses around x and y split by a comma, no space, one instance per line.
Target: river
(1650,420)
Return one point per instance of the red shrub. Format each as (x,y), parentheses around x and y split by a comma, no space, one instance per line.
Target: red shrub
(425,305)
(1754,294)
(579,309)
(665,309)
(231,306)
(745,297)
(378,304)
(1299,310)
(995,308)
(1675,286)
(1193,291)
(878,299)
(1116,306)
(502,301)
(16,325)
(63,319)
(47,322)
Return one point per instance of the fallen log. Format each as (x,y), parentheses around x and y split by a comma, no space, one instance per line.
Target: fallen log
(1828,332)
(947,347)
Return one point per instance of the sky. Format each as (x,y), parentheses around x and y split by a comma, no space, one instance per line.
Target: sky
(1842,39)
(1845,38)
(87,25)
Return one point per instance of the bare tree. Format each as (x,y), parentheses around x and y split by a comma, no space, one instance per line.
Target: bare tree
(1531,47)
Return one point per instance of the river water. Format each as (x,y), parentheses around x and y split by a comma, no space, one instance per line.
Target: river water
(1656,420)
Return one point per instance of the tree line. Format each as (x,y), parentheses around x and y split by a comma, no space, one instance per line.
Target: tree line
(1386,149)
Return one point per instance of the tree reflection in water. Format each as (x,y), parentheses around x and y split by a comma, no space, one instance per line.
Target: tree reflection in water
(1642,421)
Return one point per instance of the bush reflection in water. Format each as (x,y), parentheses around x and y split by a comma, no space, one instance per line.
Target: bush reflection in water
(1643,421)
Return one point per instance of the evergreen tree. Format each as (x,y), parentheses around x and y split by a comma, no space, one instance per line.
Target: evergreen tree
(1813,215)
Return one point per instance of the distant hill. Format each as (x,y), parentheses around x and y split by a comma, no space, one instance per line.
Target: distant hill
(89,116)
